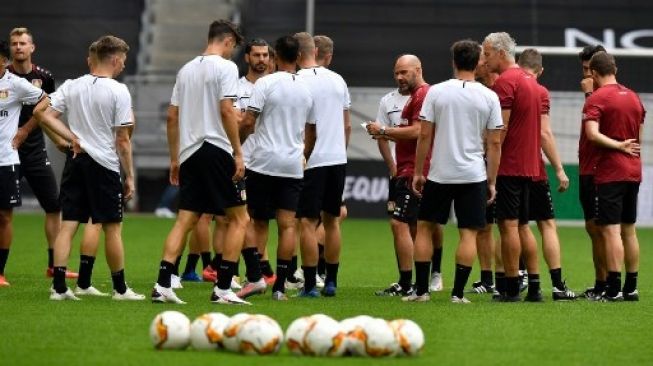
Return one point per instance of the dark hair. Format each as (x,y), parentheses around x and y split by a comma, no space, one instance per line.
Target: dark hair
(530,58)
(271,52)
(466,54)
(589,51)
(603,63)
(258,42)
(222,28)
(107,46)
(287,49)
(4,49)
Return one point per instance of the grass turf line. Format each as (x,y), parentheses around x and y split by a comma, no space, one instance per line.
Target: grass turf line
(98,331)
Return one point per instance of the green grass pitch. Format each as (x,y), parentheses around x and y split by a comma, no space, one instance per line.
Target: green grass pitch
(34,330)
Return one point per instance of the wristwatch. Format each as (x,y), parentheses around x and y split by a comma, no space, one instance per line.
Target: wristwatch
(382,130)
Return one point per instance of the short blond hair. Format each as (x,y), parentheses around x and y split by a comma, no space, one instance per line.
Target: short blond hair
(107,46)
(324,46)
(306,43)
(19,31)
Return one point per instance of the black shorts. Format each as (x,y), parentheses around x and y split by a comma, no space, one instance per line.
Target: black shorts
(89,190)
(9,187)
(41,179)
(587,196)
(469,200)
(406,202)
(540,204)
(491,213)
(322,191)
(617,203)
(266,194)
(513,198)
(392,193)
(205,184)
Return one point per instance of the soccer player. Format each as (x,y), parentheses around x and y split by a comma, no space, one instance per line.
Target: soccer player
(324,177)
(587,189)
(14,92)
(99,112)
(281,109)
(521,109)
(540,203)
(206,158)
(613,118)
(408,74)
(455,115)
(34,162)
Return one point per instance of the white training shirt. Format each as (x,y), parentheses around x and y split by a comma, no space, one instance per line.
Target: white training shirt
(200,86)
(14,92)
(462,111)
(94,107)
(389,113)
(285,105)
(245,88)
(331,99)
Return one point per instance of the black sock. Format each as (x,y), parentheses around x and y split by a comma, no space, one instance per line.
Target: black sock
(460,280)
(252,263)
(217,260)
(522,264)
(599,286)
(266,269)
(321,262)
(118,279)
(332,274)
(500,280)
(630,284)
(206,259)
(405,279)
(59,280)
(291,270)
(191,262)
(86,263)
(50,257)
(165,270)
(175,269)
(533,283)
(422,277)
(614,284)
(4,254)
(556,278)
(282,272)
(512,286)
(309,277)
(436,260)
(225,274)
(486,278)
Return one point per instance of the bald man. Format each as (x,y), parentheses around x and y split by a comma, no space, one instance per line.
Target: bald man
(408,75)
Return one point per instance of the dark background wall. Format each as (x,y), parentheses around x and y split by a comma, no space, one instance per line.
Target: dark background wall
(63,29)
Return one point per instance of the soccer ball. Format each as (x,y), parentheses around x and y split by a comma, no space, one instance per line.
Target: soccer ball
(409,336)
(230,339)
(260,335)
(170,330)
(206,331)
(295,335)
(324,337)
(377,339)
(353,330)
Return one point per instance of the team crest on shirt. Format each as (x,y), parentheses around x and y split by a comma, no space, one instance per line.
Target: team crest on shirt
(37,82)
(4,94)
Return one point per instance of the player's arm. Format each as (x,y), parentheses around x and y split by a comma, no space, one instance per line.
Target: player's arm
(347,119)
(493,156)
(230,125)
(628,146)
(386,154)
(124,149)
(394,133)
(505,115)
(423,144)
(172,131)
(551,152)
(247,124)
(310,136)
(49,117)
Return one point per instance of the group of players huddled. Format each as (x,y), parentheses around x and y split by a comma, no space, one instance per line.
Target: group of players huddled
(272,145)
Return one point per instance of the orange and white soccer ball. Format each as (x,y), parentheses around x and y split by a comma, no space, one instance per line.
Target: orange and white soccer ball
(206,331)
(376,339)
(353,330)
(324,337)
(409,335)
(259,335)
(295,335)
(170,330)
(230,339)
